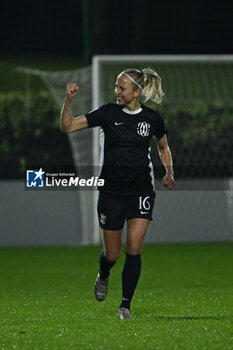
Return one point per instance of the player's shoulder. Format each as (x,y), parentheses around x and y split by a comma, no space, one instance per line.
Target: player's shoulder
(150,112)
(108,107)
(111,106)
(100,108)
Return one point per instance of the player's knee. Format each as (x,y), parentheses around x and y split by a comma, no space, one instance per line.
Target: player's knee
(133,248)
(113,255)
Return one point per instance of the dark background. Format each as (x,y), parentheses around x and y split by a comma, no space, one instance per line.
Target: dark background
(62,35)
(115,27)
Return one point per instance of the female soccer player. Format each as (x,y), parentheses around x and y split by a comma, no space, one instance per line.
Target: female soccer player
(128,192)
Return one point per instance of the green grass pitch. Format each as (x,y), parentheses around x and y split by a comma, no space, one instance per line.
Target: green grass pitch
(184,299)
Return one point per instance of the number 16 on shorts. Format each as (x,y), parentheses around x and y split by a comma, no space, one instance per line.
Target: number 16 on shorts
(146,203)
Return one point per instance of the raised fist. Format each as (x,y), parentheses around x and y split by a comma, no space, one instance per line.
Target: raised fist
(71,90)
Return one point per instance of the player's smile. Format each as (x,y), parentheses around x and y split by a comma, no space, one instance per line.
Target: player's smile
(125,93)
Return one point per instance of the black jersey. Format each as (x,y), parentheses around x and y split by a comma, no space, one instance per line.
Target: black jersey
(125,148)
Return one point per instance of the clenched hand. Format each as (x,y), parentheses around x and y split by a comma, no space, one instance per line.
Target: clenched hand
(71,90)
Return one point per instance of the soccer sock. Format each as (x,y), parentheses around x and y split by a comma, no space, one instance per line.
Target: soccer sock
(130,277)
(105,265)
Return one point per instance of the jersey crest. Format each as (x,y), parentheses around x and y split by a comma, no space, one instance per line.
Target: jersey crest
(143,129)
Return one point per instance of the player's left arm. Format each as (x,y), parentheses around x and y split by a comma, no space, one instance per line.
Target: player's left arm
(166,158)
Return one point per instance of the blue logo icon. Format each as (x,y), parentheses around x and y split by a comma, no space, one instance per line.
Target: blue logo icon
(35,178)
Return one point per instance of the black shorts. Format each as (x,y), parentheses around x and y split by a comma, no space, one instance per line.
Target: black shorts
(114,209)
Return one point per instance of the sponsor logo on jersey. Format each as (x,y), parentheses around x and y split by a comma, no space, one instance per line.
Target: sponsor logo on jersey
(143,129)
(119,123)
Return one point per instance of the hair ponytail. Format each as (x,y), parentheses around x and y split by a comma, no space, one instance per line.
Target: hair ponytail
(152,89)
(148,81)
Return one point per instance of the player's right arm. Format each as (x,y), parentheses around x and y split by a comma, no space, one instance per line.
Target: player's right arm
(67,122)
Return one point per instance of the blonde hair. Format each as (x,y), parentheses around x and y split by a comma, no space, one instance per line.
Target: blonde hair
(149,81)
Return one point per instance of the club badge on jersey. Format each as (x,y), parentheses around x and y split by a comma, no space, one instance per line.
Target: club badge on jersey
(143,129)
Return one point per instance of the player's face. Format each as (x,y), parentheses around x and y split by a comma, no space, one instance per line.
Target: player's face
(125,91)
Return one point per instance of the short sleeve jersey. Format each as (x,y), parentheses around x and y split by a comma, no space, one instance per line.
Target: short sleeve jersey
(125,148)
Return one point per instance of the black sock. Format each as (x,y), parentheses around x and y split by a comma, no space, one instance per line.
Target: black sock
(130,276)
(105,265)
